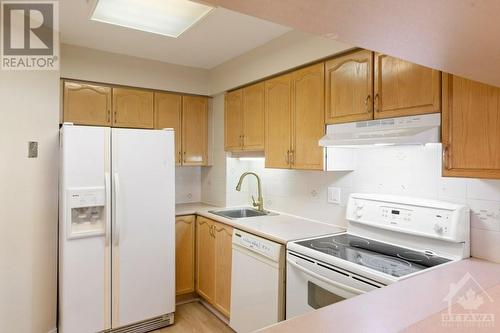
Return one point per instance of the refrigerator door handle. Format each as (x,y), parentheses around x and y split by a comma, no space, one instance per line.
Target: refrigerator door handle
(116,216)
(107,184)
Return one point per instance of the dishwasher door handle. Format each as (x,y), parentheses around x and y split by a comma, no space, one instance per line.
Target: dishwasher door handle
(323,279)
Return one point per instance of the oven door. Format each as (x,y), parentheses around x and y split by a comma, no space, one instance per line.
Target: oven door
(312,285)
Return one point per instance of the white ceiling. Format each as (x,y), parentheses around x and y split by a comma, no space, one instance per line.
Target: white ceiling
(220,36)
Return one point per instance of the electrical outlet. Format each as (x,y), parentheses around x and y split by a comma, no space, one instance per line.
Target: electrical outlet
(334,195)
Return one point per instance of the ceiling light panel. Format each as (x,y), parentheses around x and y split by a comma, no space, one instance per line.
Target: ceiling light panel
(165,17)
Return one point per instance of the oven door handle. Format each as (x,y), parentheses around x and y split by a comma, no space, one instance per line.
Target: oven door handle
(325,280)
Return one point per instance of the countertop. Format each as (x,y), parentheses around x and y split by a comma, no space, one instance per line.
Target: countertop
(192,207)
(414,305)
(279,227)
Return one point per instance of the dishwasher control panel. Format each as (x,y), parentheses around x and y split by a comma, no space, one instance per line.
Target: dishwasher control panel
(257,244)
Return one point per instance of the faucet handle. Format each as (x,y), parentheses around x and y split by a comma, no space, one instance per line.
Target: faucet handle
(254,203)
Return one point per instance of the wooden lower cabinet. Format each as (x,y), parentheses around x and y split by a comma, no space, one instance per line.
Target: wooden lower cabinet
(205,259)
(470,128)
(213,263)
(184,254)
(223,262)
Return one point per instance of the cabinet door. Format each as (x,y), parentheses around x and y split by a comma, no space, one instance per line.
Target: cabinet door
(233,121)
(87,104)
(308,117)
(205,259)
(253,117)
(278,121)
(471,128)
(194,130)
(404,89)
(168,114)
(132,108)
(223,262)
(349,88)
(184,254)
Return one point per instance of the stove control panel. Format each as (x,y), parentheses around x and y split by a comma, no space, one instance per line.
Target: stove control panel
(410,215)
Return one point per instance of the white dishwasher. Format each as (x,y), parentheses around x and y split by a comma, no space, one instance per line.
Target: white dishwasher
(257,282)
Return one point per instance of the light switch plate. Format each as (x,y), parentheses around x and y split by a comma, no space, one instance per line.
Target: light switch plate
(32,149)
(334,195)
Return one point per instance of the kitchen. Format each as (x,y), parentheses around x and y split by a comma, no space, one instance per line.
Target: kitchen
(261,105)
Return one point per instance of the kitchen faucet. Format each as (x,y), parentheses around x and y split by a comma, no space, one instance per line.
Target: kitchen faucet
(260,201)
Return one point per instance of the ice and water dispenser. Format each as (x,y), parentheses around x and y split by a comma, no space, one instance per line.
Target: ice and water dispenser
(86,212)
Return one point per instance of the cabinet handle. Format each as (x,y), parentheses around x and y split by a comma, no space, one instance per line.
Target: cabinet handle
(180,157)
(109,115)
(184,159)
(367,103)
(446,156)
(292,157)
(287,157)
(375,103)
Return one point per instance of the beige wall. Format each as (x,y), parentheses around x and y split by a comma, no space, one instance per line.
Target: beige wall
(293,49)
(29,111)
(93,65)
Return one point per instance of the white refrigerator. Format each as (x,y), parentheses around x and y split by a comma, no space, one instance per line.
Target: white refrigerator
(116,229)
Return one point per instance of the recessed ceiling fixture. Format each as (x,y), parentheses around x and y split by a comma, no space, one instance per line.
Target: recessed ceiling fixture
(165,17)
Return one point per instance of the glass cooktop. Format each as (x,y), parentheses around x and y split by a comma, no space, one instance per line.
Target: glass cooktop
(382,257)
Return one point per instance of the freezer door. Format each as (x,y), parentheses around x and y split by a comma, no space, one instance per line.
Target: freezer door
(143,237)
(84,242)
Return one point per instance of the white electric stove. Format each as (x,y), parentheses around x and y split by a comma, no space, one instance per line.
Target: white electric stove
(388,238)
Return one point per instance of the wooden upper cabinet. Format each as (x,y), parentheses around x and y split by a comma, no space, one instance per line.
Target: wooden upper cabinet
(349,88)
(205,259)
(86,104)
(278,121)
(223,263)
(184,254)
(194,130)
(471,128)
(308,117)
(253,117)
(404,89)
(132,108)
(233,121)
(168,114)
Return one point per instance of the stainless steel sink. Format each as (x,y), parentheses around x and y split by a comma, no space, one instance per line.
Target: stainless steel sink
(239,213)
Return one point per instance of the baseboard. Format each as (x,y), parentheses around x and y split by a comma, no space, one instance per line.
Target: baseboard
(216,312)
(54,330)
(186,298)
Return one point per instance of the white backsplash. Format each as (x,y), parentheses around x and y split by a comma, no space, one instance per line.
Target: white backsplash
(187,184)
(403,170)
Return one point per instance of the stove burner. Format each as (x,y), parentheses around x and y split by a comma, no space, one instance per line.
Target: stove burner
(327,247)
(379,261)
(361,242)
(413,256)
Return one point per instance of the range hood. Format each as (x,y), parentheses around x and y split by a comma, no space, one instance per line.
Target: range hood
(411,130)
